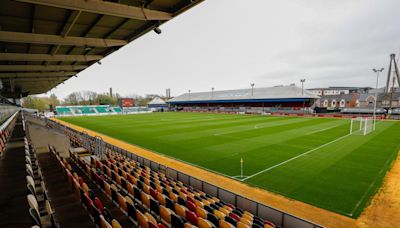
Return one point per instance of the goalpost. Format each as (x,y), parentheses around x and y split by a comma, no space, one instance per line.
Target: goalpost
(361,125)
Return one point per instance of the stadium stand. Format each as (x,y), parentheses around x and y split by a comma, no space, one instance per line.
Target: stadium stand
(279,99)
(82,110)
(40,209)
(152,198)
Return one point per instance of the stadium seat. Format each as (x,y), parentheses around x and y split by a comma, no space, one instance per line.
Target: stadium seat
(242,225)
(122,203)
(201,212)
(224,224)
(176,221)
(165,214)
(203,223)
(35,217)
(219,214)
(104,223)
(115,224)
(142,219)
(150,219)
(180,210)
(213,219)
(191,217)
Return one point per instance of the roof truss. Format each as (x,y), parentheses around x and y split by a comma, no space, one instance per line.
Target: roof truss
(106,8)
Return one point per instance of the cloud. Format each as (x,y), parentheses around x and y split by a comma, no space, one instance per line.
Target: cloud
(228,44)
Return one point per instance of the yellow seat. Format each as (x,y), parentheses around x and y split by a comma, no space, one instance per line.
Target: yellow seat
(219,214)
(201,212)
(248,213)
(146,188)
(188,225)
(122,203)
(165,214)
(202,223)
(85,187)
(161,199)
(104,223)
(107,189)
(115,224)
(150,219)
(224,224)
(142,219)
(145,199)
(246,221)
(180,210)
(242,225)
(248,217)
(198,203)
(118,179)
(129,200)
(114,187)
(173,196)
(130,188)
(223,210)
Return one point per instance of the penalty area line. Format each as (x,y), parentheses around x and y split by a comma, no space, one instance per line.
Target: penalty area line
(294,158)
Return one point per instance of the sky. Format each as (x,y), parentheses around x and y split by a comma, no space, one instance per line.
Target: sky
(229,44)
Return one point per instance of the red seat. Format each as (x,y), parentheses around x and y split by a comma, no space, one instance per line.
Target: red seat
(153,193)
(234,216)
(191,217)
(129,178)
(269,223)
(99,205)
(190,199)
(81,181)
(191,206)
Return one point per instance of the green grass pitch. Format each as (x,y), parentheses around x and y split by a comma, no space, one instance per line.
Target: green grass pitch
(313,160)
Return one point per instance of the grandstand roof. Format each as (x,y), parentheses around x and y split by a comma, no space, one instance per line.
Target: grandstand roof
(281,92)
(45,42)
(157,101)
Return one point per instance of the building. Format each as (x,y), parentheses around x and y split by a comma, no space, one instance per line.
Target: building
(251,100)
(157,104)
(333,90)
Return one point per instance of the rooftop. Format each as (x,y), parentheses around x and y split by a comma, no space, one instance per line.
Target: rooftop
(281,92)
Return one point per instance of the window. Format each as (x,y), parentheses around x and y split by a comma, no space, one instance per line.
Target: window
(333,103)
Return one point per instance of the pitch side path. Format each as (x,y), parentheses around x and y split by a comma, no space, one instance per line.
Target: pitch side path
(313,160)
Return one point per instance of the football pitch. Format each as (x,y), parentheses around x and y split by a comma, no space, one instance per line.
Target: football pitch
(314,160)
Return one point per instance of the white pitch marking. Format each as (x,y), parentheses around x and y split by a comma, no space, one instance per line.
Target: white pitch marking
(322,130)
(293,158)
(369,187)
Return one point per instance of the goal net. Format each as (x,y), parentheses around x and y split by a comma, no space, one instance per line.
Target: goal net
(361,125)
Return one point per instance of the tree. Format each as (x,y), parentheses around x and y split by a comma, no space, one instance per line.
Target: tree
(105,99)
(40,103)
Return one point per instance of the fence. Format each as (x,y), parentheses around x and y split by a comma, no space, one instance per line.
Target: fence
(276,216)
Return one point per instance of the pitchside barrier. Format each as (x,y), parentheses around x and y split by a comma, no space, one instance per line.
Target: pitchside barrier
(280,218)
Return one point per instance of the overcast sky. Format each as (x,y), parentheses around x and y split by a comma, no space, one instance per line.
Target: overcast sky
(228,44)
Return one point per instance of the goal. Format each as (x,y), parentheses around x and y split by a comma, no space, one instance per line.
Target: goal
(361,125)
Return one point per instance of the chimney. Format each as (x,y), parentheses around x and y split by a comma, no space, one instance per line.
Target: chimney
(111,94)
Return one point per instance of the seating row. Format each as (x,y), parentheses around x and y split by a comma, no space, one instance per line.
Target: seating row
(40,209)
(98,213)
(175,204)
(5,133)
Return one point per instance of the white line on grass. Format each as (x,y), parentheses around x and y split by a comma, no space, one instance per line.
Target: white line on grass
(293,158)
(369,187)
(310,133)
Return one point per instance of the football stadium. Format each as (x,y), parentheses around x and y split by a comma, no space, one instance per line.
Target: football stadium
(258,157)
